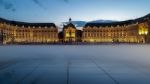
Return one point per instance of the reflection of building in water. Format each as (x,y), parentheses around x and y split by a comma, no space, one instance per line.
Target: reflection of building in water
(132,31)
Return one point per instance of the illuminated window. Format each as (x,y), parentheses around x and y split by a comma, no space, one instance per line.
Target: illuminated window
(67,35)
(91,40)
(143,29)
(72,34)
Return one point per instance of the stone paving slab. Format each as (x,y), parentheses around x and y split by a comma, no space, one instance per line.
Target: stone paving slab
(108,64)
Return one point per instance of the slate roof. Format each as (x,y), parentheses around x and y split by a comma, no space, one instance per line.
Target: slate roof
(25,24)
(109,24)
(69,25)
(121,23)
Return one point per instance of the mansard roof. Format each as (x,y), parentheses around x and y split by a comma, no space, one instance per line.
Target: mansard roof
(109,24)
(121,23)
(69,25)
(25,24)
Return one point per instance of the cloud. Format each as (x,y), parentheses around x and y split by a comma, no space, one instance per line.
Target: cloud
(39,3)
(7,5)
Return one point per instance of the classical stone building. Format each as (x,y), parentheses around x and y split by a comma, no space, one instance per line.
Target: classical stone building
(69,32)
(20,32)
(131,31)
(123,32)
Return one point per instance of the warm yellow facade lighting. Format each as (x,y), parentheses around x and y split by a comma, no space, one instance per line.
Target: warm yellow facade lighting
(91,40)
(143,29)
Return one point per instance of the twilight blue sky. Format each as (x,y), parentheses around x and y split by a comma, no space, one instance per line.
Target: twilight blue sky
(60,10)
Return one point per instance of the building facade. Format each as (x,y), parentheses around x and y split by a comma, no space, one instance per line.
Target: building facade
(69,32)
(131,31)
(18,32)
(121,32)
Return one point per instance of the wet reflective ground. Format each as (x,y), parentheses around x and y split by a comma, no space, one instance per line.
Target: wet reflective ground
(97,64)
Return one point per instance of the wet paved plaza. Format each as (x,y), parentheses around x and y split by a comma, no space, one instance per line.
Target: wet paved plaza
(93,64)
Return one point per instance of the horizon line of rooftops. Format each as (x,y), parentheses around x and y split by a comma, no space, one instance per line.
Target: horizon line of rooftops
(114,24)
